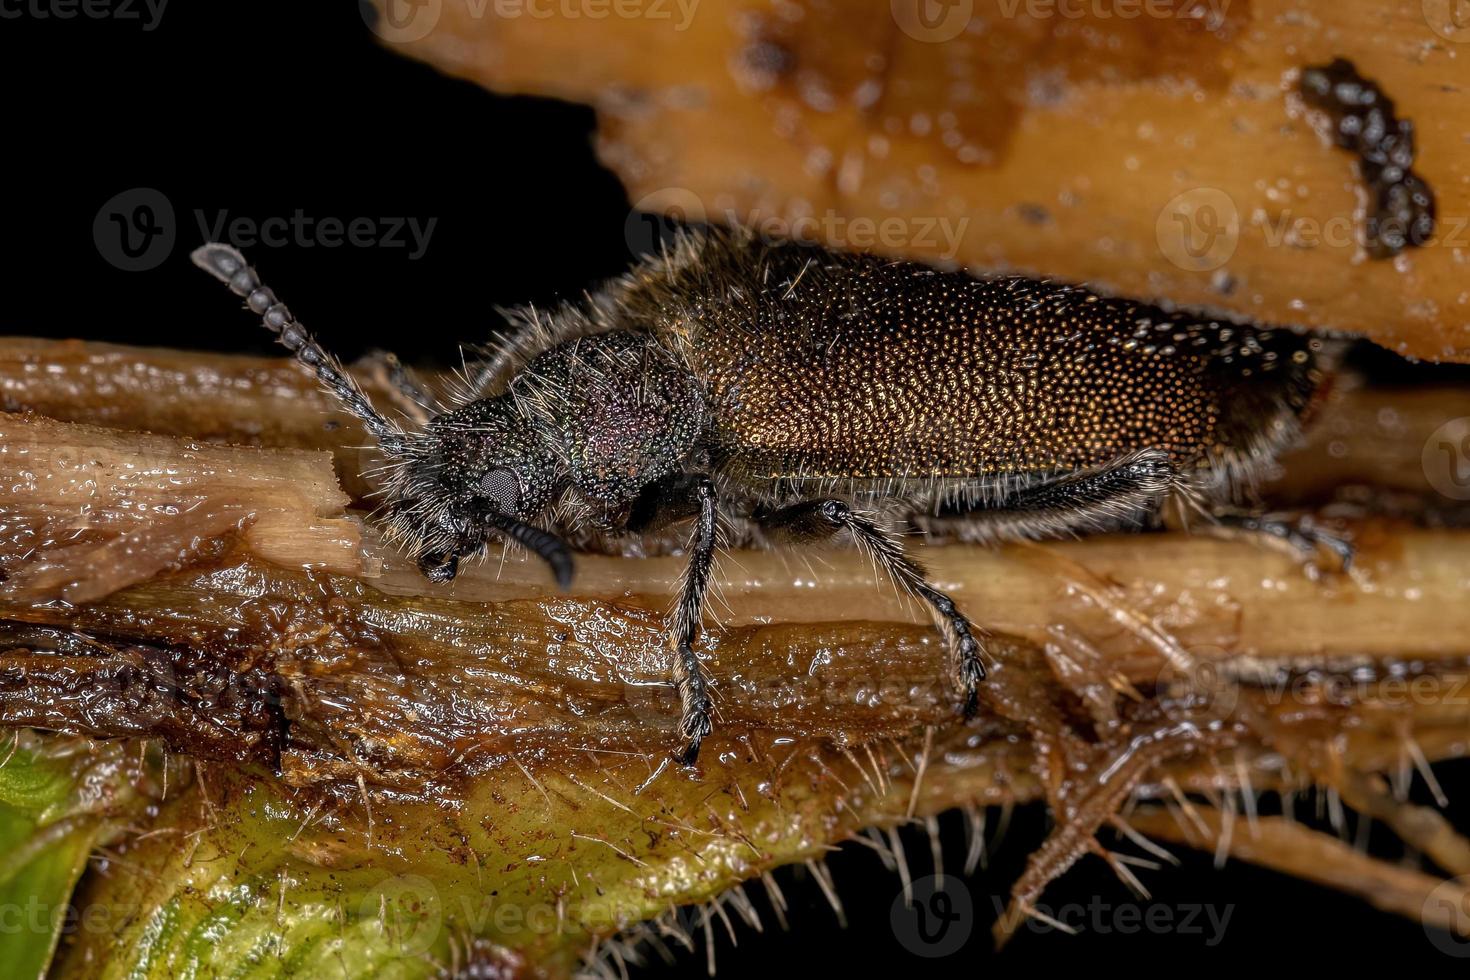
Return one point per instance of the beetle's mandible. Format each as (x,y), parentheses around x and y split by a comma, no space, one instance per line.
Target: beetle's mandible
(811,395)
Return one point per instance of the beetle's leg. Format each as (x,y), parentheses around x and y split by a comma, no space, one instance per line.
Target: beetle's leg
(1299,535)
(1128,489)
(409,397)
(818,520)
(677,497)
(438,566)
(442,564)
(684,622)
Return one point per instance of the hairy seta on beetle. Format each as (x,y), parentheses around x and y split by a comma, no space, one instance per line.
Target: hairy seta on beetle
(796,395)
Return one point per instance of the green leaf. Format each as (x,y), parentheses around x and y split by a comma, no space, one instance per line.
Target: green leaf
(44,847)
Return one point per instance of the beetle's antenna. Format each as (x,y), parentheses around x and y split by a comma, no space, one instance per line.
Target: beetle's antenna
(551,548)
(228,266)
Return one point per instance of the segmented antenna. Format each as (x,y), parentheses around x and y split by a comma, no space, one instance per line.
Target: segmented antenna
(549,547)
(228,266)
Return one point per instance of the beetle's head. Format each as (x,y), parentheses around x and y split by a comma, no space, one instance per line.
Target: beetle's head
(472,475)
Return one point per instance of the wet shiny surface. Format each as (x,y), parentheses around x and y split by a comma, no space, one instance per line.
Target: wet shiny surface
(352,723)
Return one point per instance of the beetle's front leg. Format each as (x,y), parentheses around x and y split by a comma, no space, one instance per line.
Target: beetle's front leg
(443,565)
(684,623)
(818,520)
(409,397)
(438,566)
(671,499)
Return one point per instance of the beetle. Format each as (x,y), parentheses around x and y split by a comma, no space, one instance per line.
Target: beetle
(812,395)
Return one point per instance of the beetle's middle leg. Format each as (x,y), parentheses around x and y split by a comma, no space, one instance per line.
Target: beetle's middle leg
(819,520)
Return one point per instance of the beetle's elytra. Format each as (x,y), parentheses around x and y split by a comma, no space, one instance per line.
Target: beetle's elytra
(815,395)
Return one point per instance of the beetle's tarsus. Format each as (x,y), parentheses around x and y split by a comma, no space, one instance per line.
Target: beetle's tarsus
(966,648)
(1298,533)
(972,674)
(814,521)
(439,568)
(694,726)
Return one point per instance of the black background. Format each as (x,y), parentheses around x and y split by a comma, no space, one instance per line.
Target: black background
(262,109)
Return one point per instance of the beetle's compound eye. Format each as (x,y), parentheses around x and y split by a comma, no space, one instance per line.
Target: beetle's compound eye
(503,489)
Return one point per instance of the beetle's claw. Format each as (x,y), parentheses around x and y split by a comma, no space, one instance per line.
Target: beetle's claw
(1302,536)
(694,727)
(438,567)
